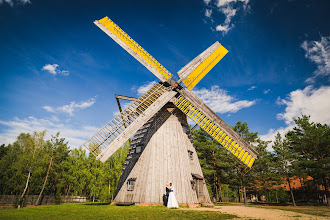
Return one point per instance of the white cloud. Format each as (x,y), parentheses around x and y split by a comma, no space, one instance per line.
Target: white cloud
(208,12)
(319,53)
(145,87)
(207,1)
(223,29)
(229,8)
(12,2)
(70,108)
(76,136)
(219,101)
(52,68)
(49,108)
(266,91)
(221,3)
(309,101)
(252,88)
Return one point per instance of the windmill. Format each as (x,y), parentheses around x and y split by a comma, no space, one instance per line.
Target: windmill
(161,149)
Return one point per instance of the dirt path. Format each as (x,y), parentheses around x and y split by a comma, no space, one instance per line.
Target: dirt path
(259,213)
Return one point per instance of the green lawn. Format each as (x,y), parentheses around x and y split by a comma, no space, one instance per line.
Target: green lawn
(105,211)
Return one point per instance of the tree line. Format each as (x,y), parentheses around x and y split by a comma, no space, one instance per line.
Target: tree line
(302,153)
(35,166)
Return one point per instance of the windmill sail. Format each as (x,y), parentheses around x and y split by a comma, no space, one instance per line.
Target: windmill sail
(105,142)
(114,134)
(210,122)
(126,42)
(195,70)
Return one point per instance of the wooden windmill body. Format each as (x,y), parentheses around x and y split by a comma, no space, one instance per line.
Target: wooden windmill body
(161,150)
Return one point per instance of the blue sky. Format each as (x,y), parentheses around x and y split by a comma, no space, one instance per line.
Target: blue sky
(60,72)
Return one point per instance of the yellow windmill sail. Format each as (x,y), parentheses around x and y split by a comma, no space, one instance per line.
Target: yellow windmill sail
(126,42)
(194,71)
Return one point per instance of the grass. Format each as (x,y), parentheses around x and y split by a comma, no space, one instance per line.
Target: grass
(104,211)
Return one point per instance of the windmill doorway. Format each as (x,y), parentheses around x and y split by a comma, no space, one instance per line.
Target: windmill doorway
(198,186)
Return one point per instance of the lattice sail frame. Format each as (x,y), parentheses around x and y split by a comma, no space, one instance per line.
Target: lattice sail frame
(97,143)
(221,135)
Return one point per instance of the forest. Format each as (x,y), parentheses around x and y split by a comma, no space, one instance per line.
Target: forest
(35,166)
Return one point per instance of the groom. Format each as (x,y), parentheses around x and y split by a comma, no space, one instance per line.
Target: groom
(167,193)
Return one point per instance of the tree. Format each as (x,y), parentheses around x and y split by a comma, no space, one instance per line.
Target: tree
(311,142)
(31,145)
(55,142)
(242,171)
(285,161)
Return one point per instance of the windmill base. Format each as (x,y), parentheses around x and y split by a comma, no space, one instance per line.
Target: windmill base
(162,152)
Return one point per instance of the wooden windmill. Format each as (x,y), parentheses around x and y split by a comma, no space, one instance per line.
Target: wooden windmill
(161,149)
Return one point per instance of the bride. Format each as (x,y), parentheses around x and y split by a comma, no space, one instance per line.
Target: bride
(172,203)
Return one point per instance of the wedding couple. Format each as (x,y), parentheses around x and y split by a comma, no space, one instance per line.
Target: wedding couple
(171,200)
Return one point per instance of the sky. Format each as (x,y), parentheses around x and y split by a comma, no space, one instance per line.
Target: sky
(60,72)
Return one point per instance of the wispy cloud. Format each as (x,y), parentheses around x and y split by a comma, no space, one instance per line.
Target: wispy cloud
(319,53)
(145,87)
(76,136)
(208,13)
(252,88)
(52,68)
(266,91)
(70,108)
(219,100)
(309,101)
(15,2)
(229,8)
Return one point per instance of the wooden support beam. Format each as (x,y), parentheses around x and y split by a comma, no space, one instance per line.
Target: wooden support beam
(126,98)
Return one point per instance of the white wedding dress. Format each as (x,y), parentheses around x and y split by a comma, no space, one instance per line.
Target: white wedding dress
(172,203)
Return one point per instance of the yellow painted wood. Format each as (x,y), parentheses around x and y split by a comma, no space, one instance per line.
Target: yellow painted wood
(251,162)
(244,155)
(227,143)
(234,148)
(181,102)
(178,100)
(241,153)
(197,115)
(201,117)
(223,134)
(238,151)
(202,121)
(212,130)
(215,132)
(192,109)
(247,159)
(188,109)
(224,140)
(206,123)
(231,145)
(195,76)
(209,128)
(125,38)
